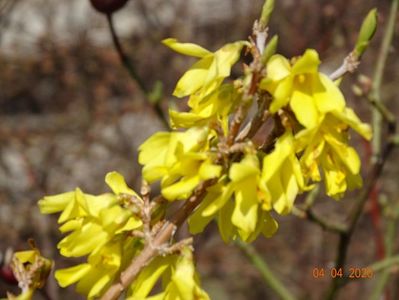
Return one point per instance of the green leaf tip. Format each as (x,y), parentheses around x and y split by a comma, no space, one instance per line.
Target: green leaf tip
(367,31)
(266,12)
(270,49)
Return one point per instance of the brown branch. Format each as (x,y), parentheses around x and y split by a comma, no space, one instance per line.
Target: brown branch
(126,62)
(152,250)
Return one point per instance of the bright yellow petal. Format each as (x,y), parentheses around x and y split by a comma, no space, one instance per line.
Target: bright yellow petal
(327,95)
(278,68)
(71,275)
(186,48)
(56,203)
(245,214)
(349,117)
(304,108)
(307,63)
(118,184)
(194,78)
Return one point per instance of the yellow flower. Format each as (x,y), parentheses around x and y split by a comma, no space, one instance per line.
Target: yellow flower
(310,94)
(209,72)
(97,226)
(243,216)
(327,146)
(281,179)
(179,159)
(178,275)
(99,272)
(216,106)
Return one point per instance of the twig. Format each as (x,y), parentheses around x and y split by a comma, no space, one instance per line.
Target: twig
(311,216)
(274,283)
(306,212)
(349,65)
(257,121)
(163,236)
(132,71)
(389,247)
(379,73)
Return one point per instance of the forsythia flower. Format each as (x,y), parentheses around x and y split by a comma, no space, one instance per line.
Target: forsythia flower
(217,106)
(281,178)
(320,108)
(209,72)
(179,279)
(326,146)
(209,99)
(179,159)
(309,93)
(242,217)
(99,227)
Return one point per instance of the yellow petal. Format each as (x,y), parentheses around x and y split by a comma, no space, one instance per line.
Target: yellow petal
(327,95)
(349,117)
(245,214)
(149,276)
(281,94)
(182,189)
(118,184)
(26,256)
(307,63)
(71,275)
(304,108)
(194,78)
(209,170)
(56,203)
(186,48)
(248,167)
(347,154)
(278,68)
(226,228)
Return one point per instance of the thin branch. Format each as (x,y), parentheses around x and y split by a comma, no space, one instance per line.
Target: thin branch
(379,157)
(268,276)
(378,76)
(258,119)
(163,236)
(389,247)
(306,212)
(126,62)
(311,216)
(349,65)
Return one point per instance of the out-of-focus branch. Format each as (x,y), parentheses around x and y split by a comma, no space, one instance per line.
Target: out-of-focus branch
(389,248)
(128,65)
(378,76)
(379,157)
(306,212)
(268,276)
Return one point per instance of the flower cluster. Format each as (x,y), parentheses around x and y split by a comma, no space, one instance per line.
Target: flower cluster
(212,163)
(312,143)
(97,226)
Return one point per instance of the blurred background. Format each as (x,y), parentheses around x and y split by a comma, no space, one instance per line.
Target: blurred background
(70,113)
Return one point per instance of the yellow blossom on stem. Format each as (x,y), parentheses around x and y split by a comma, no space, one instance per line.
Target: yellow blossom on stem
(209,72)
(97,226)
(309,93)
(179,159)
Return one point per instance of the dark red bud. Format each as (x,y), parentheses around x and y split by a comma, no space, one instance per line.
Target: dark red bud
(7,275)
(108,6)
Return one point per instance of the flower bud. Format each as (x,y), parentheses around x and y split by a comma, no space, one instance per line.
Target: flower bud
(108,6)
(367,31)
